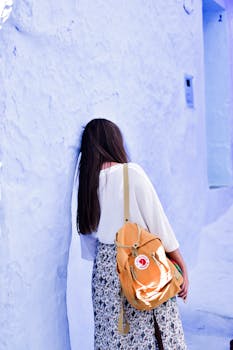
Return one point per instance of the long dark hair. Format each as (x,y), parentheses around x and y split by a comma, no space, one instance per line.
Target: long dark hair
(101,142)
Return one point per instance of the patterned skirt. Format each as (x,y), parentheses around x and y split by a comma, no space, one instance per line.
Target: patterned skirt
(106,298)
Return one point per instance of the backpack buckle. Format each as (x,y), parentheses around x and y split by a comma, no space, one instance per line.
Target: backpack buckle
(134,249)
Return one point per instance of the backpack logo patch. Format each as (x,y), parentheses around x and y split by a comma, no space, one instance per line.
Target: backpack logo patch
(142,262)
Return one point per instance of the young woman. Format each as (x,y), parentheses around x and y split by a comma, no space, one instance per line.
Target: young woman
(99,217)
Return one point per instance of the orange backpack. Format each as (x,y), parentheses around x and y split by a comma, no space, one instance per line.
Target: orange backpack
(147,277)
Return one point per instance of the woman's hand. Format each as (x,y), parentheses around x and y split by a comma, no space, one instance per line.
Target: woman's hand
(176,255)
(184,287)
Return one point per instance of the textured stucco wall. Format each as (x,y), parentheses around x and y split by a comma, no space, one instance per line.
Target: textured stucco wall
(5,10)
(63,63)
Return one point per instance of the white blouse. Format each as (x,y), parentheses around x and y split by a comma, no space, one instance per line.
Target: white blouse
(145,209)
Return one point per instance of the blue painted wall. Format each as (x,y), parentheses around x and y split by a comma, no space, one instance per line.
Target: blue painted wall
(218,95)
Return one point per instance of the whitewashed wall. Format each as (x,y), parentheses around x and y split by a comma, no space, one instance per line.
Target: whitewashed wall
(62,63)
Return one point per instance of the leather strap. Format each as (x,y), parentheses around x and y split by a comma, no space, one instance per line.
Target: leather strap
(158,334)
(123,324)
(126,192)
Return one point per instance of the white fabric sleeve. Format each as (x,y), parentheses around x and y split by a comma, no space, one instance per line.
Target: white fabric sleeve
(88,241)
(152,211)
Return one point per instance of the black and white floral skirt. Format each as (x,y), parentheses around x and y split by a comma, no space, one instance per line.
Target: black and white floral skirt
(107,303)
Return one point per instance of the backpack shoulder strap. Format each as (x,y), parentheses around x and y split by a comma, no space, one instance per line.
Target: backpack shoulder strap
(126,192)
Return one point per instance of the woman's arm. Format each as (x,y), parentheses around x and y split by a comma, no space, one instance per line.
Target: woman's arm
(176,255)
(151,209)
(156,220)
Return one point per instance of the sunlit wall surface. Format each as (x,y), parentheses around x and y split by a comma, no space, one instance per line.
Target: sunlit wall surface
(5,10)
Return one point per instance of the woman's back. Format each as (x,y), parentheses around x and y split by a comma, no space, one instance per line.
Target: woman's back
(112,200)
(145,207)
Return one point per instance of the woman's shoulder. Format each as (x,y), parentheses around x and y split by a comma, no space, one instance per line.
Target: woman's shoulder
(139,180)
(117,168)
(137,172)
(136,168)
